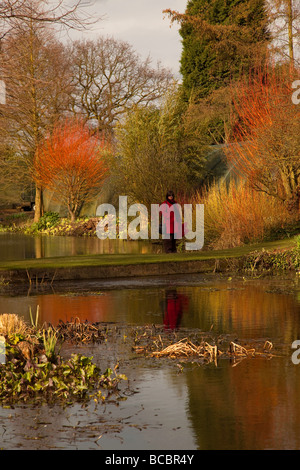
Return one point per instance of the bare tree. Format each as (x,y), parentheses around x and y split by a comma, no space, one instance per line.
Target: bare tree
(32,75)
(35,69)
(109,78)
(58,12)
(284,18)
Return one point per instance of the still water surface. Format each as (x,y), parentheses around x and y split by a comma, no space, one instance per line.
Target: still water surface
(254,405)
(16,246)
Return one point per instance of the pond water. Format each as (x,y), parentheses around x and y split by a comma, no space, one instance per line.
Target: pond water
(17,246)
(254,405)
(250,405)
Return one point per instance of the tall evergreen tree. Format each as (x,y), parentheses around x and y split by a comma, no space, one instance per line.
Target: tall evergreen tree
(221,39)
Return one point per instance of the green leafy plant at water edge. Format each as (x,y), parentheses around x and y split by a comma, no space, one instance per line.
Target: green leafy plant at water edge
(50,343)
(48,220)
(276,260)
(40,379)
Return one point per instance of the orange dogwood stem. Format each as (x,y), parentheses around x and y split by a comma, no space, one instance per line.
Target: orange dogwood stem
(265,143)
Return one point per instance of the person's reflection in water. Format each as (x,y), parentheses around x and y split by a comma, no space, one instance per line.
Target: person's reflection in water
(174,305)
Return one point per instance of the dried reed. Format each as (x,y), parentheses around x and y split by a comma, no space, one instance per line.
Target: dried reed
(210,353)
(185,348)
(76,331)
(10,323)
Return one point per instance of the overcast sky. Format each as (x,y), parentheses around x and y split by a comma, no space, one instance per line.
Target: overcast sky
(142,24)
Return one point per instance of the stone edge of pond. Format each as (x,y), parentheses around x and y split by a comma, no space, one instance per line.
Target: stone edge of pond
(46,275)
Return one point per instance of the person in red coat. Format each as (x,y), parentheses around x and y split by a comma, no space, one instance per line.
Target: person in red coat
(171,222)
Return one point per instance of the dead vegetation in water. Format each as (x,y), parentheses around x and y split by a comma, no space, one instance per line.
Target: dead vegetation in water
(151,341)
(78,332)
(154,341)
(186,349)
(201,347)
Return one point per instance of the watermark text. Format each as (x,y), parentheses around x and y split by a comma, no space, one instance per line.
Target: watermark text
(162,220)
(296,94)
(2,350)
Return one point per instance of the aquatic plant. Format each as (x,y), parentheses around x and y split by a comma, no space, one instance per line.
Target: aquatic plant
(50,342)
(65,381)
(34,321)
(78,332)
(35,372)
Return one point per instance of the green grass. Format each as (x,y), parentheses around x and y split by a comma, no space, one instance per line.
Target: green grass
(129,259)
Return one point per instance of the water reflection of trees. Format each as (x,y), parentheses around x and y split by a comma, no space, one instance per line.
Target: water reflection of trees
(93,308)
(14,246)
(131,306)
(252,406)
(251,309)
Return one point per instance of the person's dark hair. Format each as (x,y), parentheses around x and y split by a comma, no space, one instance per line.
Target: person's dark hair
(170,193)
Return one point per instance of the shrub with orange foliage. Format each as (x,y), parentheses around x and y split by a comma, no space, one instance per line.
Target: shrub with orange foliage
(70,162)
(265,146)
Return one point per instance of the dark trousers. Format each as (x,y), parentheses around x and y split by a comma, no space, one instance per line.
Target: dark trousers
(170,244)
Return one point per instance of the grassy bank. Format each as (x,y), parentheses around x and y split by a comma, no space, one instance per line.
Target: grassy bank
(275,246)
(129,259)
(280,254)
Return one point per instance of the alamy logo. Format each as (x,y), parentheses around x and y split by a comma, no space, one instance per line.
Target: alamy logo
(295,355)
(145,225)
(2,350)
(296,94)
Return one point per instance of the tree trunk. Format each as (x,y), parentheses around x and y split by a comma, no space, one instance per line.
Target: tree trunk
(290,30)
(72,213)
(38,203)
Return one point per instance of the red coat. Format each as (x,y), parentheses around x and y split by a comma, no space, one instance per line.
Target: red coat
(171,219)
(175,306)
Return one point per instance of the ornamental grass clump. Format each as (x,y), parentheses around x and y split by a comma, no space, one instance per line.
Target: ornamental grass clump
(12,324)
(236,214)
